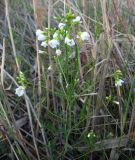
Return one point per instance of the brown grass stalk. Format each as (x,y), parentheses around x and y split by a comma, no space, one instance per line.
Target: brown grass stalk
(11,34)
(2,64)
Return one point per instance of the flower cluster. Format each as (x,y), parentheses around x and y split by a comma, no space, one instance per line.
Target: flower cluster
(118,78)
(62,33)
(20,90)
(119,82)
(56,38)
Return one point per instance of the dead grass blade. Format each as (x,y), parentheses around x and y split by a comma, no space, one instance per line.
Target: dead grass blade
(2,65)
(11,34)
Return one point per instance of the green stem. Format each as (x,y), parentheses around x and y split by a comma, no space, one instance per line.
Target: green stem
(67,67)
(76,64)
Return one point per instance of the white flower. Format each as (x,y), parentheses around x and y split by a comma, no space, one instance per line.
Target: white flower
(49,68)
(85,36)
(20,91)
(41,52)
(53,43)
(38,32)
(61,25)
(119,83)
(77,19)
(44,44)
(58,52)
(40,35)
(69,42)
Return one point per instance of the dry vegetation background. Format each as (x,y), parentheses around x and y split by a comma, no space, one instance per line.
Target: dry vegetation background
(95,120)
